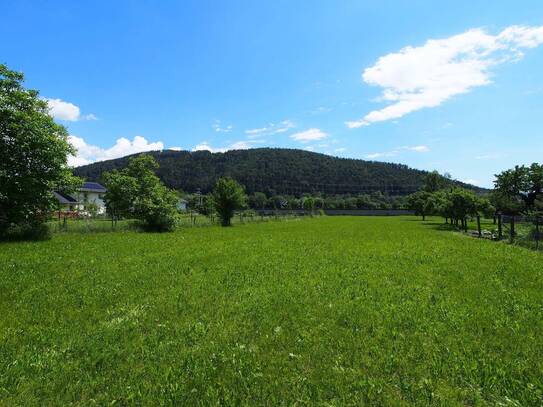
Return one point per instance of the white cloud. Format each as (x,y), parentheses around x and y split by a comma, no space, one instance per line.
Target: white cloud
(395,152)
(66,111)
(417,149)
(217,127)
(88,153)
(238,145)
(426,76)
(204,146)
(470,181)
(309,135)
(175,148)
(320,110)
(340,150)
(271,129)
(489,156)
(392,153)
(90,116)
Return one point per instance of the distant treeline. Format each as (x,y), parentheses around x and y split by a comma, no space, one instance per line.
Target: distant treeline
(277,172)
(259,200)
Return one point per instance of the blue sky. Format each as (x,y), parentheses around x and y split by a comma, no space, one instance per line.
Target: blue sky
(455,87)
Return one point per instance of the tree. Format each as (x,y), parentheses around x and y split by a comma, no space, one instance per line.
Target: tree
(228,196)
(33,157)
(120,195)
(136,191)
(258,200)
(309,204)
(434,181)
(463,203)
(518,189)
(422,203)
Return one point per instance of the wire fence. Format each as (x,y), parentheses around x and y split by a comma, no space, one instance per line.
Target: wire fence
(522,230)
(526,231)
(190,219)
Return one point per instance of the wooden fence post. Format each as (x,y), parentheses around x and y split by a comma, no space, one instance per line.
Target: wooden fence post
(536,233)
(512,229)
(479,226)
(500,232)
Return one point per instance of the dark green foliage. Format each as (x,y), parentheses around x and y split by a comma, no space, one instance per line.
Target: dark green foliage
(456,204)
(308,203)
(137,192)
(257,200)
(28,231)
(33,158)
(275,171)
(228,196)
(422,203)
(434,181)
(202,204)
(519,190)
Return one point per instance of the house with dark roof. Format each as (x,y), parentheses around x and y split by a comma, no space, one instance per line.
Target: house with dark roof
(91,194)
(66,202)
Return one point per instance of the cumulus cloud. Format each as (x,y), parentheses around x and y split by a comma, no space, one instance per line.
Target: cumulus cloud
(205,146)
(66,111)
(238,145)
(397,151)
(88,153)
(270,129)
(309,135)
(426,76)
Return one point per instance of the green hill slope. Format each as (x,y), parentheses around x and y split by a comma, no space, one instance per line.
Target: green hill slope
(274,171)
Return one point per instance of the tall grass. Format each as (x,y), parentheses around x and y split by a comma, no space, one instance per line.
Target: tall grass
(326,311)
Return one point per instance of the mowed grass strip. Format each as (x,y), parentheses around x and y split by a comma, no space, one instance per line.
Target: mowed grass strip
(331,310)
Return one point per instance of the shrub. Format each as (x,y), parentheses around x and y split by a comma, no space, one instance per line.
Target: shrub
(27,231)
(228,196)
(137,192)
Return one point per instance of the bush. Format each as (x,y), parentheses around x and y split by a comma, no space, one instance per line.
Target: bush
(27,231)
(160,214)
(136,191)
(228,196)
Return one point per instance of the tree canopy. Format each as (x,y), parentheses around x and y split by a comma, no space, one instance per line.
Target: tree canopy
(519,189)
(33,155)
(228,196)
(276,171)
(137,192)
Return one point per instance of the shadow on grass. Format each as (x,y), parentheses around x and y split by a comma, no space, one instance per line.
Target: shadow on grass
(436,225)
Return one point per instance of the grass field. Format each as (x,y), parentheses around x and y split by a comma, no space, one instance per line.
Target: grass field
(330,310)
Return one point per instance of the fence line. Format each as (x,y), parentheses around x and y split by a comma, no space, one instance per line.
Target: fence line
(521,230)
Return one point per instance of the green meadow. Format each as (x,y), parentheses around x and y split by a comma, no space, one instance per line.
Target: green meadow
(326,311)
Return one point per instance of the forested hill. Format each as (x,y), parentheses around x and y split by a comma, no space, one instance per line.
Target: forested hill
(273,171)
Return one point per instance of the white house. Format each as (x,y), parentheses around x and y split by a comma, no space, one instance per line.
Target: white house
(89,193)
